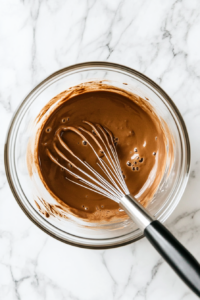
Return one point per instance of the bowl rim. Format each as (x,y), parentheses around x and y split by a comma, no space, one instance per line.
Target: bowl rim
(82,66)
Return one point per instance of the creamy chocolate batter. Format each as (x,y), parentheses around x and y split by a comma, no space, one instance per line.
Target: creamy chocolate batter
(140,142)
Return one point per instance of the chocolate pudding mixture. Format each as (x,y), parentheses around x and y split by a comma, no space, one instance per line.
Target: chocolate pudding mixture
(140,143)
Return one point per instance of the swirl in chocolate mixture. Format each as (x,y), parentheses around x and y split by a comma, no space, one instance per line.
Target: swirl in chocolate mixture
(140,143)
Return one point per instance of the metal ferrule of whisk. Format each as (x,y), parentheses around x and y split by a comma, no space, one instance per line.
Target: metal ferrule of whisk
(136,211)
(112,184)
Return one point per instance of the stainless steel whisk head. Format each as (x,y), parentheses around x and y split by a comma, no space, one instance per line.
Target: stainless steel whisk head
(112,185)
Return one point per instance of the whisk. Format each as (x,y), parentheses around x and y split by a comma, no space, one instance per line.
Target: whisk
(111,184)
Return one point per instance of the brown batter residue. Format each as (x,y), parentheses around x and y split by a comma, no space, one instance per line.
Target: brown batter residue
(140,140)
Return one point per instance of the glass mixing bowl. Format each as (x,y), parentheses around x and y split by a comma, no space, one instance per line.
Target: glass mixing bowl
(75,233)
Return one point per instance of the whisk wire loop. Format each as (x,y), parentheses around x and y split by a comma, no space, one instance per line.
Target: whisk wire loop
(113,185)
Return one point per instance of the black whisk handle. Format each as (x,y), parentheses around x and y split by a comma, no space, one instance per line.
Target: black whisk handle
(177,256)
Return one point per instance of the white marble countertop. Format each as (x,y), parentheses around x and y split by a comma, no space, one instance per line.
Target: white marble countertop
(158,38)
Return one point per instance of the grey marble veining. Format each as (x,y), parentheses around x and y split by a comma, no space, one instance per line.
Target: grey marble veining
(157,38)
